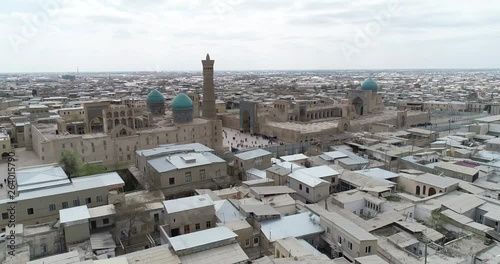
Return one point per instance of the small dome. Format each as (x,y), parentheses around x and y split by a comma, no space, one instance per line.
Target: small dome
(369,84)
(182,101)
(155,97)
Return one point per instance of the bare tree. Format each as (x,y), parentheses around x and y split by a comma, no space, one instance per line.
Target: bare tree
(130,213)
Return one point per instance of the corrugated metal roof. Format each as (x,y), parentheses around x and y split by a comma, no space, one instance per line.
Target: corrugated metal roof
(462,219)
(78,184)
(402,239)
(306,179)
(201,238)
(293,157)
(252,154)
(463,203)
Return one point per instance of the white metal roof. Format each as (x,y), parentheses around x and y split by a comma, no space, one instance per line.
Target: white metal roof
(287,226)
(306,179)
(332,155)
(318,171)
(294,157)
(182,161)
(31,177)
(226,211)
(165,149)
(252,154)
(187,203)
(201,238)
(109,179)
(256,172)
(74,214)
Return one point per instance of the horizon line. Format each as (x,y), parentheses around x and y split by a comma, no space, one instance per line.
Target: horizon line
(265,70)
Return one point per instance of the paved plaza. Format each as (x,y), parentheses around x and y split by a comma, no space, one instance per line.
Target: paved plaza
(236,139)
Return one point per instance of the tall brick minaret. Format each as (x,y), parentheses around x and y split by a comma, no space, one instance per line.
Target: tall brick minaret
(208,110)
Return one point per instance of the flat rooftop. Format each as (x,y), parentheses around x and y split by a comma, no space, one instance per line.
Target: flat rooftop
(183,161)
(287,226)
(188,203)
(111,180)
(201,238)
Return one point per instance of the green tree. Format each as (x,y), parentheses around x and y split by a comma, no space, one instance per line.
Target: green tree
(91,169)
(70,162)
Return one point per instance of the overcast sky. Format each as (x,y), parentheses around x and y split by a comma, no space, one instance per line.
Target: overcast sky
(154,35)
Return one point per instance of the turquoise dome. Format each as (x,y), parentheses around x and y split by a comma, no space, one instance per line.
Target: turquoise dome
(155,97)
(369,84)
(182,101)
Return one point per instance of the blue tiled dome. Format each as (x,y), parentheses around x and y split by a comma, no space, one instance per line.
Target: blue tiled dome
(182,101)
(155,97)
(369,84)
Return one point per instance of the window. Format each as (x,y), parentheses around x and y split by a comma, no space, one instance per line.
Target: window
(328,230)
(197,226)
(105,221)
(44,249)
(157,217)
(63,145)
(98,198)
(255,241)
(76,202)
(134,230)
(5,216)
(202,174)
(30,211)
(209,224)
(171,181)
(188,176)
(88,200)
(52,207)
(247,243)
(368,249)
(300,186)
(307,189)
(340,240)
(349,245)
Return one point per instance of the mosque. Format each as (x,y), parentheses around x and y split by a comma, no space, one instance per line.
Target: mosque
(303,120)
(109,132)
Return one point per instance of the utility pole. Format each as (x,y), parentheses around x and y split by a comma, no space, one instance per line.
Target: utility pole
(425,255)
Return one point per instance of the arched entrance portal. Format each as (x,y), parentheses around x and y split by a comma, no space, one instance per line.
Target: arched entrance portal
(358,105)
(96,125)
(432,191)
(417,191)
(246,121)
